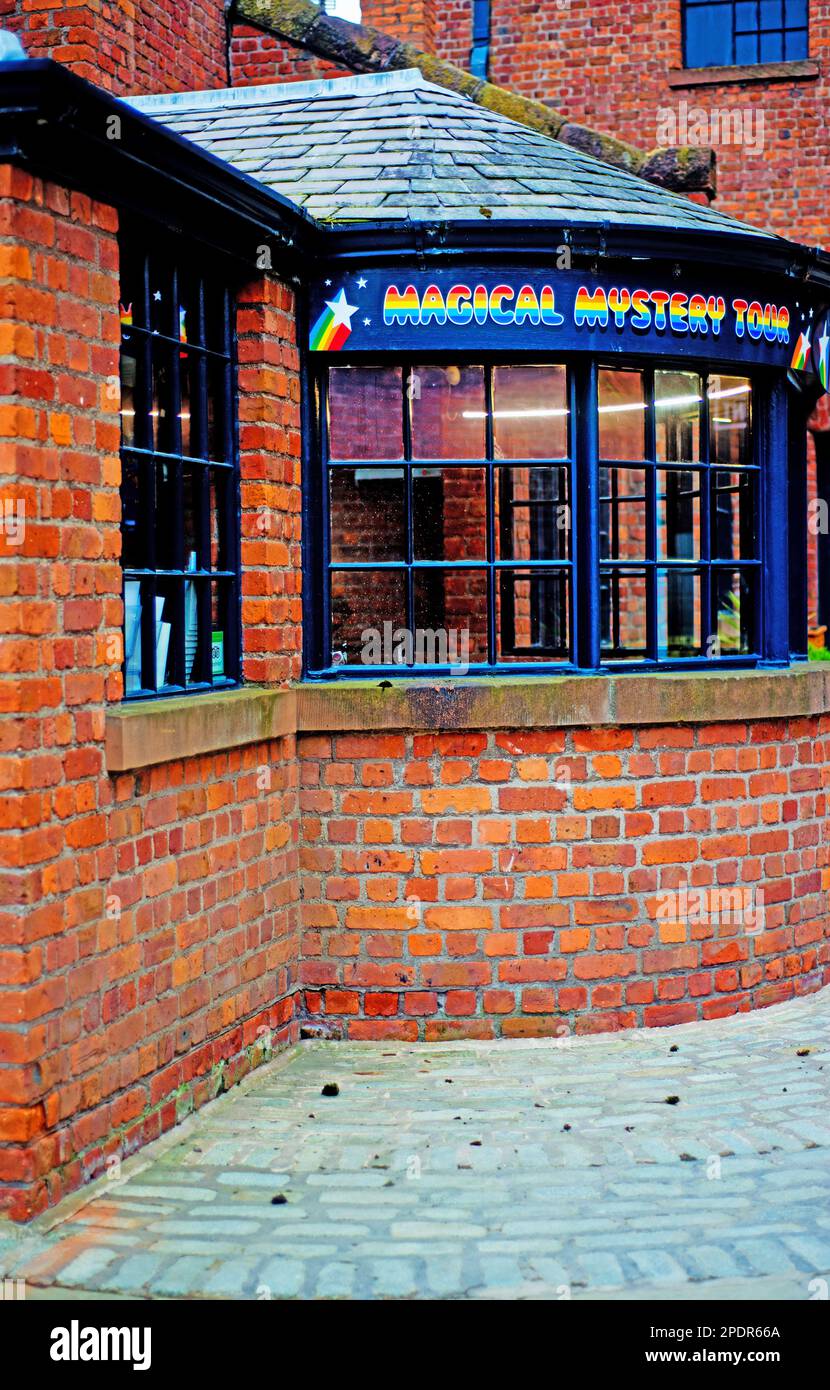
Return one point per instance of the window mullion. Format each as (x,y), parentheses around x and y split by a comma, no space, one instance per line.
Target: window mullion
(650,472)
(586,516)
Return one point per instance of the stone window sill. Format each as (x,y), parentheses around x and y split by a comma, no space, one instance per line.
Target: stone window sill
(145,733)
(805,68)
(159,731)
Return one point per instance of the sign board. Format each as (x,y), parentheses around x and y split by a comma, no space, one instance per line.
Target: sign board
(464,310)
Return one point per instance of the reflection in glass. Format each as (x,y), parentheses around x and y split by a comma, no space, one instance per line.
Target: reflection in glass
(734,611)
(678,514)
(361,605)
(450,616)
(622,410)
(367,514)
(677,401)
(678,613)
(622,614)
(733,516)
(622,513)
(533,515)
(449,513)
(730,420)
(530,412)
(533,615)
(365,413)
(447,412)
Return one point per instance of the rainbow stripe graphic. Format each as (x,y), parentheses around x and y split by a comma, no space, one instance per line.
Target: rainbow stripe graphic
(333,326)
(801,354)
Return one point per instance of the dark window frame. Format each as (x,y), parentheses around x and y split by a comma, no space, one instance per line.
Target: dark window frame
(211,368)
(737,34)
(583,454)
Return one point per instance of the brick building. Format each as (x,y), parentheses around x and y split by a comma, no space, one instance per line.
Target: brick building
(281,396)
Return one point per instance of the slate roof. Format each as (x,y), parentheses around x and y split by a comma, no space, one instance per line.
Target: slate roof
(393,146)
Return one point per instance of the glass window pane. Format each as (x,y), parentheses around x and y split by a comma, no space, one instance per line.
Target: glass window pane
(730,420)
(622,513)
(449,513)
(746,48)
(450,617)
(362,604)
(218,392)
(533,615)
(771,48)
(131,290)
(367,514)
(678,613)
(165,516)
(746,17)
(447,411)
(136,595)
(216,316)
(677,401)
(191,513)
(163,311)
(533,515)
(133,514)
(771,13)
(795,13)
(708,35)
(622,411)
(733,602)
(530,412)
(622,614)
(219,635)
(190,328)
(795,45)
(365,413)
(678,514)
(734,525)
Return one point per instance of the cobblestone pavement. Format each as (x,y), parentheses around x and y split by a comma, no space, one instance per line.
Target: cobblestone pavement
(479,1170)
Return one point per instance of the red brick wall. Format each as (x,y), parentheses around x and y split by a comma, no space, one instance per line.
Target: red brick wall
(413,20)
(146,46)
(510,883)
(257,57)
(148,921)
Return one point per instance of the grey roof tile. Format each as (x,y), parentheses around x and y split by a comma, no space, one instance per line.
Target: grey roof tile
(393,145)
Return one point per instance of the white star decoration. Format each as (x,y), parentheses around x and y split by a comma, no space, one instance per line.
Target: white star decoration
(361,284)
(366,323)
(341,309)
(157,295)
(328,282)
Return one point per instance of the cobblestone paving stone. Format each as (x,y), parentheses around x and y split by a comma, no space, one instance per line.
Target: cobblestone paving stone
(479,1170)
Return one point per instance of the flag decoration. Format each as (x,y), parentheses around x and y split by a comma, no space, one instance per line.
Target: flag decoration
(333,326)
(801,356)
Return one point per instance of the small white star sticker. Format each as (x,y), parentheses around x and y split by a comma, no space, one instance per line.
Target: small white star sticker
(361,284)
(341,309)
(157,295)
(328,282)
(366,323)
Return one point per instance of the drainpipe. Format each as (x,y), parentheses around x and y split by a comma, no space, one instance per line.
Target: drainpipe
(480,51)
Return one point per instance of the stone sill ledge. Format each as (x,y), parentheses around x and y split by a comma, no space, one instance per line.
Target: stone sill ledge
(749,72)
(159,731)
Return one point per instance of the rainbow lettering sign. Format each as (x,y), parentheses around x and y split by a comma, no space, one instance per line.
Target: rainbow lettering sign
(527,308)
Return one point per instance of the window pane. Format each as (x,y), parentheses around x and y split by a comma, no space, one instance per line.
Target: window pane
(771,13)
(361,603)
(365,413)
(191,513)
(447,409)
(622,513)
(795,13)
(677,400)
(190,329)
(164,409)
(795,45)
(733,516)
(216,317)
(746,48)
(621,414)
(450,616)
(733,594)
(136,594)
(533,618)
(166,512)
(530,412)
(219,635)
(190,407)
(678,613)
(163,313)
(449,513)
(771,48)
(730,420)
(708,35)
(533,516)
(678,514)
(131,290)
(367,514)
(133,511)
(622,614)
(217,424)
(746,17)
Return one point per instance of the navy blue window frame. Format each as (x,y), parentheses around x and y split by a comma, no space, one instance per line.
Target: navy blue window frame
(771,562)
(211,353)
(726,33)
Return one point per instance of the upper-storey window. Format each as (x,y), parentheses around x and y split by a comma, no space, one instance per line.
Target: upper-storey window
(456,500)
(722,33)
(180,484)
